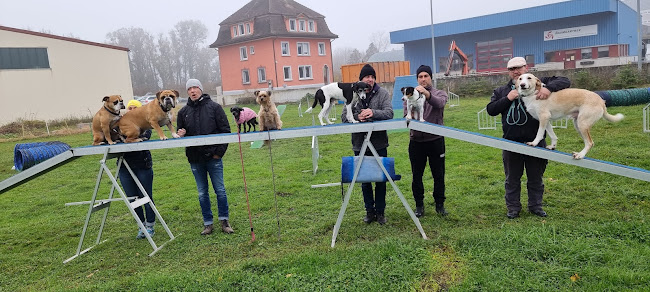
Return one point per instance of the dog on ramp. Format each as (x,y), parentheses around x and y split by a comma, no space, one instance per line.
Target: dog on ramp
(348,92)
(583,106)
(244,116)
(414,103)
(105,119)
(269,118)
(152,115)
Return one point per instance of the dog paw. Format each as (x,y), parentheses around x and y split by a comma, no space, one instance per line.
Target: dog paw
(531,144)
(550,147)
(577,156)
(422,120)
(163,138)
(175,135)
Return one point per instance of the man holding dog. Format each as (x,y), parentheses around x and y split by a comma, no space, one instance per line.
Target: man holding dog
(202,116)
(423,146)
(518,125)
(376,107)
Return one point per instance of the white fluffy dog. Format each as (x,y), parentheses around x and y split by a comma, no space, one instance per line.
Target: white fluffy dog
(414,103)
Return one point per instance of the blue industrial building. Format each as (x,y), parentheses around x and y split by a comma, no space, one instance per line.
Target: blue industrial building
(564,35)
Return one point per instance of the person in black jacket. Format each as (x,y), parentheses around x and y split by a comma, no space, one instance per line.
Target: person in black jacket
(202,116)
(142,165)
(520,126)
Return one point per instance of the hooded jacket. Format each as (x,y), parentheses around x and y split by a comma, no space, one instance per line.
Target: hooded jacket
(203,117)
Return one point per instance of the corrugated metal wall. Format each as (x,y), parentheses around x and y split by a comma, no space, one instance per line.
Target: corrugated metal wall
(386,71)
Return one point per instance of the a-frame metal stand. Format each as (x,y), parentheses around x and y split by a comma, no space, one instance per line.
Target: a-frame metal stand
(96,205)
(346,200)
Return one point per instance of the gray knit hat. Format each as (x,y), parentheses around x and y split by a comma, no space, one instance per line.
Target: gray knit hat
(193,83)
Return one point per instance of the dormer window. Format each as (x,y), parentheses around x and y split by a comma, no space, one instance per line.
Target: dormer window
(241,29)
(311,26)
(302,26)
(292,25)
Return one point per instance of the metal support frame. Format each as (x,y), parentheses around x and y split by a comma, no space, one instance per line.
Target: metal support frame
(646,118)
(346,199)
(452,99)
(96,205)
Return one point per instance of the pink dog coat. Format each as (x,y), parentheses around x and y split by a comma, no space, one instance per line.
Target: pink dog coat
(245,115)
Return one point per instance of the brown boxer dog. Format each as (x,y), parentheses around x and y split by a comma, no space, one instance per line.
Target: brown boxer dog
(152,115)
(105,119)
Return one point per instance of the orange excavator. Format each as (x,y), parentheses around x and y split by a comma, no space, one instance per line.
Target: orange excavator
(453,48)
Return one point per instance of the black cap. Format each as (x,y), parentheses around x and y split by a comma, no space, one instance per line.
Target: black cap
(424,68)
(367,70)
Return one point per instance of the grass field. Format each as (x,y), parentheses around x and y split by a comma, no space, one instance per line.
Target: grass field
(596,238)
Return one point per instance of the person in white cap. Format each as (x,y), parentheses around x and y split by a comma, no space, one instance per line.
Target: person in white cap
(202,116)
(520,126)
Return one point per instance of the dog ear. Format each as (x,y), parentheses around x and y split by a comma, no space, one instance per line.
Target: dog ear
(105,98)
(256,92)
(538,84)
(269,92)
(158,94)
(176,92)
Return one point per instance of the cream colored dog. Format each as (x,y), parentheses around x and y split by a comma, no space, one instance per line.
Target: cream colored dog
(583,106)
(268,116)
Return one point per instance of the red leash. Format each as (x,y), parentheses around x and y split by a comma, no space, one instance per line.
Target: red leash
(241,158)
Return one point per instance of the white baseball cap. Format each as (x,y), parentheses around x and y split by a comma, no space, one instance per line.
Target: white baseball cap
(516,62)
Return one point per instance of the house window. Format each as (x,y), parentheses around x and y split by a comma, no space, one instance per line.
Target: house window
(311,26)
(603,52)
(585,54)
(287,73)
(24,58)
(261,75)
(530,60)
(304,72)
(493,55)
(241,28)
(321,49)
(248,28)
(252,50)
(292,25)
(234,31)
(303,49)
(243,55)
(301,25)
(245,77)
(285,49)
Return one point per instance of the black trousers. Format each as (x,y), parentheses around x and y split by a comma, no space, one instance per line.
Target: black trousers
(434,152)
(376,202)
(513,166)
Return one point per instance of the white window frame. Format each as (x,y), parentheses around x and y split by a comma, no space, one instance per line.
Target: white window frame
(248,28)
(243,54)
(261,72)
(284,73)
(241,28)
(234,31)
(252,49)
(321,49)
(284,45)
(311,26)
(302,49)
(305,72)
(292,24)
(302,25)
(245,74)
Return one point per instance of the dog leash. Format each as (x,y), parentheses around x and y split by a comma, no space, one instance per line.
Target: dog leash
(516,109)
(241,158)
(275,194)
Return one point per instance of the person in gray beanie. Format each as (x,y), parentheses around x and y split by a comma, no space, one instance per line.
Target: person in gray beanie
(376,107)
(425,146)
(202,116)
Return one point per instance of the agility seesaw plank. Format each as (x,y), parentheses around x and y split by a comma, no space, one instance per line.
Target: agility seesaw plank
(36,171)
(476,138)
(258,144)
(287,133)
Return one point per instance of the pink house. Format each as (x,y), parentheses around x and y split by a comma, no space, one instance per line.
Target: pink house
(274,44)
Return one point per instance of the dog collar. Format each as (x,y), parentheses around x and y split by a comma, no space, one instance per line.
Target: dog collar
(114,113)
(163,108)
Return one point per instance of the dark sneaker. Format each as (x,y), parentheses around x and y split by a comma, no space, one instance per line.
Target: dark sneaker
(370,216)
(150,230)
(512,214)
(225,226)
(539,212)
(140,235)
(419,211)
(381,219)
(440,209)
(207,230)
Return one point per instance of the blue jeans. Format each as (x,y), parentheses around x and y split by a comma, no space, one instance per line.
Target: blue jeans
(213,167)
(145,176)
(376,202)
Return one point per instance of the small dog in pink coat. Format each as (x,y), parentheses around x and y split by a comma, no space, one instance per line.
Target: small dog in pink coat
(244,116)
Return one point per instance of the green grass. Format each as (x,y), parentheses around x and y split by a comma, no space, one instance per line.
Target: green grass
(597,226)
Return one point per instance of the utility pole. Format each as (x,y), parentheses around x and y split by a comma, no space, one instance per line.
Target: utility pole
(433,50)
(638,33)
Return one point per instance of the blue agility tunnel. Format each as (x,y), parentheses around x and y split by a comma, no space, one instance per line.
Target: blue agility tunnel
(27,155)
(370,171)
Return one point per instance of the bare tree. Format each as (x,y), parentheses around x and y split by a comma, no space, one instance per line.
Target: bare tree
(381,40)
(141,56)
(355,57)
(340,57)
(188,38)
(371,50)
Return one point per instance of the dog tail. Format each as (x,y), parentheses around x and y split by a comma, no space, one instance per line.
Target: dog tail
(613,118)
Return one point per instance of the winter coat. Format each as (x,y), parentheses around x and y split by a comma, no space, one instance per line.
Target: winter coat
(379,100)
(203,117)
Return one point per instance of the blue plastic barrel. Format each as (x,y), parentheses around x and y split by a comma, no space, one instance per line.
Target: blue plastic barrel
(27,155)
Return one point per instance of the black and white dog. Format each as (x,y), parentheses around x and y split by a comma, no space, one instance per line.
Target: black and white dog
(348,92)
(414,102)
